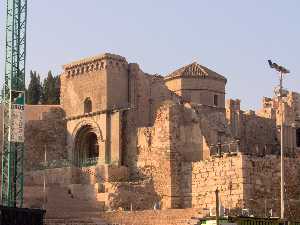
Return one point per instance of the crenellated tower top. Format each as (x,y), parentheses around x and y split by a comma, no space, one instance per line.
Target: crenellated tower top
(99,62)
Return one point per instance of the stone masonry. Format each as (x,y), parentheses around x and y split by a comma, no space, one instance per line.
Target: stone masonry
(123,138)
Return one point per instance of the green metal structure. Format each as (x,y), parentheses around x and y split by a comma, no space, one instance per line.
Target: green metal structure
(13,101)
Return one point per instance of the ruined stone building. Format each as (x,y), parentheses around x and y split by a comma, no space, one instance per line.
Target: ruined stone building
(125,138)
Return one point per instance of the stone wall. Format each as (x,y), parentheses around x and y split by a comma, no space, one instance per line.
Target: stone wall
(153,156)
(45,129)
(256,134)
(262,185)
(175,137)
(96,78)
(146,95)
(58,176)
(44,132)
(244,182)
(259,132)
(138,195)
(201,179)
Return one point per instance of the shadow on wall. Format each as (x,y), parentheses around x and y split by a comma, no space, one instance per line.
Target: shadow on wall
(48,133)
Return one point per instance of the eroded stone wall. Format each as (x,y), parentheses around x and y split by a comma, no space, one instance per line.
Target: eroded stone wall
(175,137)
(259,132)
(45,130)
(262,185)
(202,179)
(244,182)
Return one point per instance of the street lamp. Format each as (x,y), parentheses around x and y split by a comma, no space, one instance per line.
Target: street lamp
(280,93)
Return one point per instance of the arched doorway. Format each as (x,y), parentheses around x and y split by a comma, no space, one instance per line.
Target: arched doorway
(86,149)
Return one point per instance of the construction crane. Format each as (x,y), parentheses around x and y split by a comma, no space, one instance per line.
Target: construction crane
(13,100)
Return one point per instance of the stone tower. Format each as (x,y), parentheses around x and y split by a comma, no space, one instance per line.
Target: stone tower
(93,93)
(198,84)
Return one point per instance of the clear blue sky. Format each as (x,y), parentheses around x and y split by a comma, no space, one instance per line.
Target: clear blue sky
(232,37)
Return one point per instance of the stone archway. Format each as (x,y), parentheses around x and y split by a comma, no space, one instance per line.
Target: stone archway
(87,146)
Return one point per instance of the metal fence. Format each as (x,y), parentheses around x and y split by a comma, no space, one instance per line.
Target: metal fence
(62,163)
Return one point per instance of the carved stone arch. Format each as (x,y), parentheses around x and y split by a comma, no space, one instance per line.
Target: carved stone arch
(91,123)
(88,144)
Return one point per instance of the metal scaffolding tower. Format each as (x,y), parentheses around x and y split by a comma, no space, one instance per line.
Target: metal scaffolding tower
(13,101)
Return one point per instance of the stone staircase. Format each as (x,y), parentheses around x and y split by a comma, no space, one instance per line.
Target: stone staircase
(74,222)
(62,203)
(149,217)
(84,204)
(152,217)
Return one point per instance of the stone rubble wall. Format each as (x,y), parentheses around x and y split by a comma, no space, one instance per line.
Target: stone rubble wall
(139,195)
(153,161)
(244,182)
(47,133)
(259,132)
(175,137)
(202,179)
(147,92)
(45,129)
(262,185)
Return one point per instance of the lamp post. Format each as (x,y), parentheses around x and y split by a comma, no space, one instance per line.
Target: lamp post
(280,93)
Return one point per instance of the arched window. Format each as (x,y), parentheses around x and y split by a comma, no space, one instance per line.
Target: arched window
(215,100)
(88,105)
(298,137)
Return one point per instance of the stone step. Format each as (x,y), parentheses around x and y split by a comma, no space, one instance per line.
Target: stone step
(60,202)
(74,221)
(153,217)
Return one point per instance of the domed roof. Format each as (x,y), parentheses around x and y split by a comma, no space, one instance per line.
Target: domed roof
(194,70)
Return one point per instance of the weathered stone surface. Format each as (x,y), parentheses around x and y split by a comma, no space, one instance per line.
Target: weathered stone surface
(168,140)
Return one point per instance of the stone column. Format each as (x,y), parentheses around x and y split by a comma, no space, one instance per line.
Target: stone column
(116,138)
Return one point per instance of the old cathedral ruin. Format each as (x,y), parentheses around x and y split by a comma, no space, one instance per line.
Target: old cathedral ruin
(122,138)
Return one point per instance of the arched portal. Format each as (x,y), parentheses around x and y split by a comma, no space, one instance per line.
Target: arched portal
(86,149)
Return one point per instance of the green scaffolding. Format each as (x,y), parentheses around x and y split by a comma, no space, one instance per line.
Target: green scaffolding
(13,101)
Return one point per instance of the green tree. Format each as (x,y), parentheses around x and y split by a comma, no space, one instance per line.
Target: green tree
(51,89)
(34,91)
(56,96)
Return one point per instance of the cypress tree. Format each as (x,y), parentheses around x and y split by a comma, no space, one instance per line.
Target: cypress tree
(51,89)
(57,90)
(34,91)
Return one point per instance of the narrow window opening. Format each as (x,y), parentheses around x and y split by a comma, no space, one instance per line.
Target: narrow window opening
(298,137)
(215,100)
(87,105)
